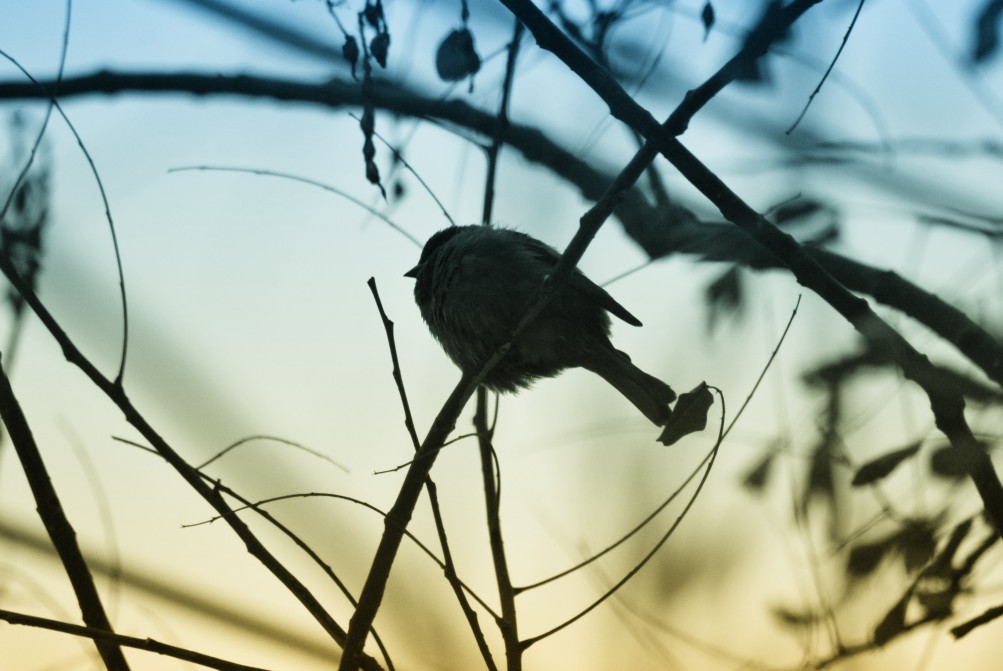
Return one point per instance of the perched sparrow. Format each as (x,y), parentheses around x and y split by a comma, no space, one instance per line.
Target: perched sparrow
(475,282)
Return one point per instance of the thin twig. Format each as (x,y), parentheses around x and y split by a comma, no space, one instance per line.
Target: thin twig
(508,623)
(101,636)
(447,564)
(58,526)
(407,497)
(832,64)
(284,441)
(396,523)
(115,392)
(501,124)
(304,180)
(256,507)
(107,208)
(709,460)
(398,156)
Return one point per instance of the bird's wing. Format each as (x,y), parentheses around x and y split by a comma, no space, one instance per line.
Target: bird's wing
(598,295)
(579,282)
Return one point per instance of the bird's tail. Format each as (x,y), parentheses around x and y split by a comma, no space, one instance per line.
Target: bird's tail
(648,394)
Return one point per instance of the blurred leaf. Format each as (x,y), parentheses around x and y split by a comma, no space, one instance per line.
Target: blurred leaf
(917,543)
(914,541)
(879,468)
(944,462)
(936,589)
(940,582)
(689,415)
(707,17)
(893,623)
(724,296)
(755,479)
(838,371)
(986,40)
(792,618)
(792,211)
(456,56)
(373,13)
(866,557)
(820,481)
(954,542)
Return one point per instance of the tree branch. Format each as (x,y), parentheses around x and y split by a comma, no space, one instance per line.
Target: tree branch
(947,404)
(61,532)
(104,637)
(660,231)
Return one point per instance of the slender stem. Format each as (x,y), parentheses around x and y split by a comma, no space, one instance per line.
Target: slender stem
(508,624)
(116,393)
(448,566)
(58,526)
(101,636)
(501,123)
(396,522)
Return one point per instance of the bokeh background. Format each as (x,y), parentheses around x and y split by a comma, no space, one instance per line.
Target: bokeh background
(250,316)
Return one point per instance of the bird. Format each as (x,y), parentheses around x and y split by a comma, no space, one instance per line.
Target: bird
(472,286)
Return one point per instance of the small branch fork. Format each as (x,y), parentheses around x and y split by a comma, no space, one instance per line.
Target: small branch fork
(400,514)
(116,393)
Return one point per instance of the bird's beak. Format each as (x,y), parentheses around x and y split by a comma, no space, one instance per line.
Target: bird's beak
(413,273)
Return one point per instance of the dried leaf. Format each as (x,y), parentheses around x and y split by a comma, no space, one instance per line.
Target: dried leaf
(689,415)
(986,41)
(881,467)
(917,544)
(350,50)
(456,56)
(707,17)
(379,47)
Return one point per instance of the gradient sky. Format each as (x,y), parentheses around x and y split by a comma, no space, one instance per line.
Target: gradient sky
(249,312)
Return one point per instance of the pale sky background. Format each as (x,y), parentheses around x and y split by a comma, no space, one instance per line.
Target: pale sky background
(250,315)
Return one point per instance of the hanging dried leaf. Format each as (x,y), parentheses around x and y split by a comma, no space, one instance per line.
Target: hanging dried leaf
(379,47)
(689,415)
(456,56)
(368,126)
(707,18)
(350,50)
